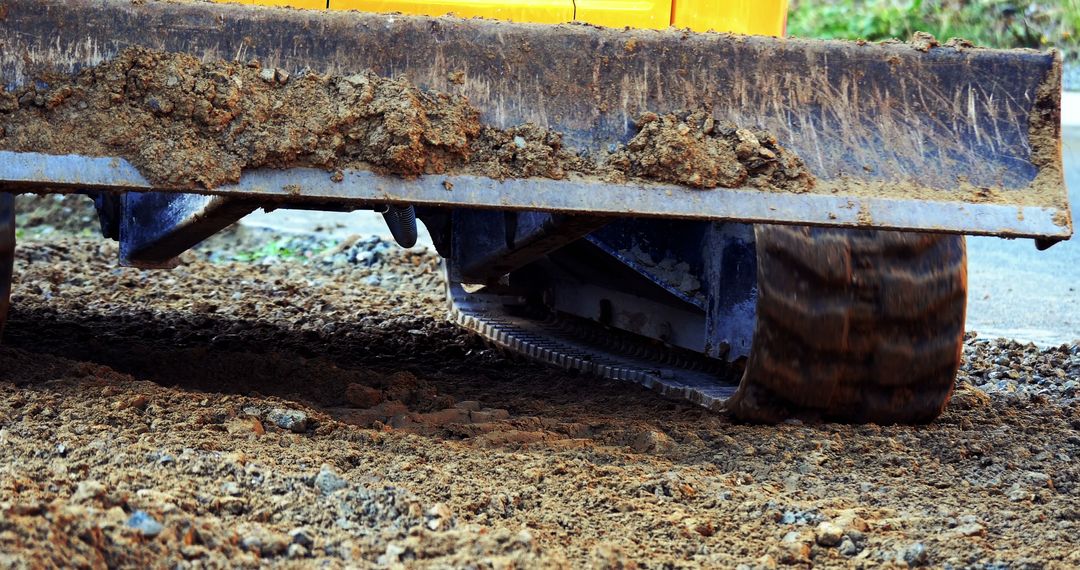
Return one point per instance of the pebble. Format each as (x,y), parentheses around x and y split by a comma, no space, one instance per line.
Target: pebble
(653,441)
(297,551)
(969,529)
(1018,493)
(265,542)
(292,420)
(914,554)
(829,534)
(795,548)
(327,481)
(145,524)
(302,536)
(88,491)
(438,517)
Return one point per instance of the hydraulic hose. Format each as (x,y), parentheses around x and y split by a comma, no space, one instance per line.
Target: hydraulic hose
(401,220)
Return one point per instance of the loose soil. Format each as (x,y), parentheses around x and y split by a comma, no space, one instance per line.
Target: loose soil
(283,413)
(183,123)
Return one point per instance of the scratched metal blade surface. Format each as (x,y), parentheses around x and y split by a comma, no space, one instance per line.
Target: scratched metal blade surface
(945,125)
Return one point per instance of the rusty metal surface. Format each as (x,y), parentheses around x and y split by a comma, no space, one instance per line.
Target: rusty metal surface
(862,112)
(575,196)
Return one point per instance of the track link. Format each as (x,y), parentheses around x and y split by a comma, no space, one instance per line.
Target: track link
(576,344)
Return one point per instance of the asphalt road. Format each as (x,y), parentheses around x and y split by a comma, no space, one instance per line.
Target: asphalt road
(1018,292)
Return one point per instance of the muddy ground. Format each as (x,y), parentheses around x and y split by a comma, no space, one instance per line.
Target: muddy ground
(257,407)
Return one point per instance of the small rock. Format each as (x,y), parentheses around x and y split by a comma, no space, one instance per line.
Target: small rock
(302,536)
(970,529)
(138,403)
(392,555)
(327,481)
(968,397)
(297,551)
(848,547)
(230,488)
(88,491)
(795,548)
(438,517)
(766,562)
(267,74)
(1018,493)
(653,441)
(265,542)
(829,534)
(281,75)
(292,420)
(923,41)
(914,554)
(145,524)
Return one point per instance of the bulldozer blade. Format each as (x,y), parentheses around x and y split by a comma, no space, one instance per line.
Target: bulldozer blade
(950,139)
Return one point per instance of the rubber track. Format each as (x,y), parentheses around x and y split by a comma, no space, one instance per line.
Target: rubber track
(7,252)
(854,325)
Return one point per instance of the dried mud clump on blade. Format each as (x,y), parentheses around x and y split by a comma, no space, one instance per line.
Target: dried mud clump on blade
(523,151)
(184,122)
(693,149)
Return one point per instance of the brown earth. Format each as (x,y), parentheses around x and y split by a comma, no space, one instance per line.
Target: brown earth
(694,150)
(286,414)
(183,122)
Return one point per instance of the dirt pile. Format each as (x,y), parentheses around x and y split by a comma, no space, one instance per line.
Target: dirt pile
(695,150)
(183,122)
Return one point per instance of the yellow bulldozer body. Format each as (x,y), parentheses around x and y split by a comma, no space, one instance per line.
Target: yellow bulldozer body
(758,17)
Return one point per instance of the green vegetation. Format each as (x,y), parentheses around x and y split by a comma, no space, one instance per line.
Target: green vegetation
(280,249)
(1037,24)
(289,247)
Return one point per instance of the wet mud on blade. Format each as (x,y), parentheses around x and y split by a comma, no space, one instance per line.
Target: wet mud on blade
(885,128)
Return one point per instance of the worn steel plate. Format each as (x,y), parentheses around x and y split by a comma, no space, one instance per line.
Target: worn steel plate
(967,136)
(33,172)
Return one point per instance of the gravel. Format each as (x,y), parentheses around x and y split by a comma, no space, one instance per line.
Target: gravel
(129,398)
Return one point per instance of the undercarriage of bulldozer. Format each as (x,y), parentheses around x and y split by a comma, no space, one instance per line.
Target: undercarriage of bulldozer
(841,298)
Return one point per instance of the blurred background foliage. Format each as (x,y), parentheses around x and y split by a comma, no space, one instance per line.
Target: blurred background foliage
(993,23)
(1039,24)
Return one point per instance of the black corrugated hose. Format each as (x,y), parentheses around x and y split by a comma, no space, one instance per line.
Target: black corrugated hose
(401,220)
